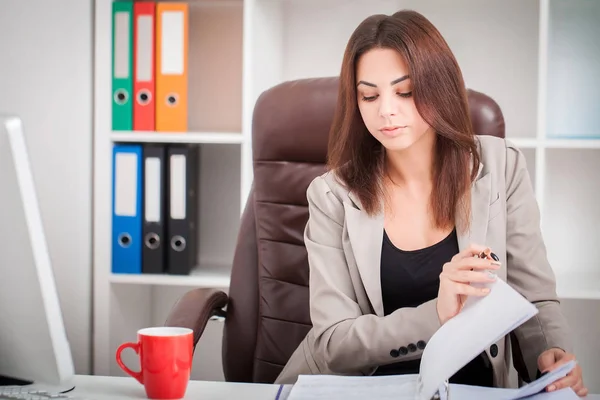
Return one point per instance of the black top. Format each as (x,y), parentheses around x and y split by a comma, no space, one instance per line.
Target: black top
(411,278)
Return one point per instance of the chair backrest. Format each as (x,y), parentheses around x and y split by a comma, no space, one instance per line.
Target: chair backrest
(268,312)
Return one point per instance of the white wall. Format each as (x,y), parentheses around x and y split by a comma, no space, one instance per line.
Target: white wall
(46,78)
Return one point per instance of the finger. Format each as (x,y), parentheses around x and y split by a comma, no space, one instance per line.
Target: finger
(567,381)
(552,364)
(582,392)
(476,263)
(578,386)
(546,361)
(468,276)
(472,250)
(467,290)
(470,264)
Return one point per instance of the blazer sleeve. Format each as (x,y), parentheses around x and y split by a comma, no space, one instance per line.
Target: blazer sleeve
(346,340)
(528,270)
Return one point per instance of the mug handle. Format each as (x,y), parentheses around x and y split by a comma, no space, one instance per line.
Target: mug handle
(136,348)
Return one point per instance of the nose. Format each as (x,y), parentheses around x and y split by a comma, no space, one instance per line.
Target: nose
(387,106)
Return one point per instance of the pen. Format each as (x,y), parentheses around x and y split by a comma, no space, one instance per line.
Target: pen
(484,254)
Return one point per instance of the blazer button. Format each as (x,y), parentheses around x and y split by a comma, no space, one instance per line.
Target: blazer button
(394,353)
(421,345)
(403,351)
(494,350)
(412,347)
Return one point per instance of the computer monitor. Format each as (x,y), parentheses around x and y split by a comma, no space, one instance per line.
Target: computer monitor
(33,342)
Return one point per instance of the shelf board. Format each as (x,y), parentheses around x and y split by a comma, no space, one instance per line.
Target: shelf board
(572,143)
(532,143)
(580,287)
(217,3)
(203,276)
(177,137)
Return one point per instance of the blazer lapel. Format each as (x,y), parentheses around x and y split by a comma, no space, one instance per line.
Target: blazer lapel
(480,208)
(366,238)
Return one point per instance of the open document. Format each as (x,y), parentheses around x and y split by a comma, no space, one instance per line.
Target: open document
(482,321)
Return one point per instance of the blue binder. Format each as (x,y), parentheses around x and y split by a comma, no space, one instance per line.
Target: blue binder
(127,209)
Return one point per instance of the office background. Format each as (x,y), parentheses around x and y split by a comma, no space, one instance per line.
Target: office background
(47,77)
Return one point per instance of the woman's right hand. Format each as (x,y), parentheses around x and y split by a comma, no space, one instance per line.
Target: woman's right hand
(456,278)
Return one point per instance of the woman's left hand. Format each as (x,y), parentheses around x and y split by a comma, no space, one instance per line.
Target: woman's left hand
(553,358)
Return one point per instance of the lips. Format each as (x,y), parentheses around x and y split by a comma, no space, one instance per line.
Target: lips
(392,131)
(391,128)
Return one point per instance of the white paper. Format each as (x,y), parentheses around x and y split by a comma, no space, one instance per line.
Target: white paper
(482,322)
(477,393)
(403,387)
(535,389)
(332,387)
(540,384)
(563,394)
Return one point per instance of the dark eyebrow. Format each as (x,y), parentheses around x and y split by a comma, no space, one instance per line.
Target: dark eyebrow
(402,78)
(366,83)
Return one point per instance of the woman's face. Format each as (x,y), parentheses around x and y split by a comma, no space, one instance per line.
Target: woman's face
(384,95)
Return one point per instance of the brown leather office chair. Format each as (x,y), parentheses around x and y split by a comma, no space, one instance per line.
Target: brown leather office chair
(267,312)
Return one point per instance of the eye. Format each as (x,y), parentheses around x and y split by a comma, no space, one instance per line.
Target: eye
(369,98)
(406,94)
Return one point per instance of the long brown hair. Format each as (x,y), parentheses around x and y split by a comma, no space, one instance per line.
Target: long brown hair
(441,100)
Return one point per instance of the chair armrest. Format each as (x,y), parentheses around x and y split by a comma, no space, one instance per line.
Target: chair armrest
(195,308)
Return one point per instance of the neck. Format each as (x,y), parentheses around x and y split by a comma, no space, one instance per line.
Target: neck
(413,167)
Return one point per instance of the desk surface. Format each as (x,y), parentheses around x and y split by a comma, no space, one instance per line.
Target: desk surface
(119,388)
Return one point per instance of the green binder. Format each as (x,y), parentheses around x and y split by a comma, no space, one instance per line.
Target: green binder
(122,66)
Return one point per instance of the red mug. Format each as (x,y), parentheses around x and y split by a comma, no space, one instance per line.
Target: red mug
(165,360)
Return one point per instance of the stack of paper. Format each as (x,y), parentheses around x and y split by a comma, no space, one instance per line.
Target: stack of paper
(403,387)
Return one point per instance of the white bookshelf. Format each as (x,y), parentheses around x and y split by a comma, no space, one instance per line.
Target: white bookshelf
(124,303)
(178,137)
(506,49)
(203,276)
(582,144)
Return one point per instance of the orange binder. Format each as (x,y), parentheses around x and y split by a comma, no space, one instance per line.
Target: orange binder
(143,66)
(171,66)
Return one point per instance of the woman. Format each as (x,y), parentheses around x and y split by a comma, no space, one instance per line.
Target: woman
(412,196)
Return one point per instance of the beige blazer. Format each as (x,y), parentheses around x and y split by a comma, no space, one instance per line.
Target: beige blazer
(351,336)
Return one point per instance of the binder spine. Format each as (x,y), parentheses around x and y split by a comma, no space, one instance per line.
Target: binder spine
(153,210)
(171,67)
(144,62)
(122,66)
(126,205)
(182,205)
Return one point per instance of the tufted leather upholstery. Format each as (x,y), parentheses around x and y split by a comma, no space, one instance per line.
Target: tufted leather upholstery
(268,305)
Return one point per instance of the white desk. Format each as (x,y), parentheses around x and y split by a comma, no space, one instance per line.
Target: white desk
(117,388)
